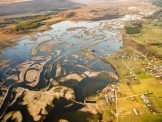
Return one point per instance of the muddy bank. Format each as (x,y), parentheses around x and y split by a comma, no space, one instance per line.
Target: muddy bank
(77,50)
(70,65)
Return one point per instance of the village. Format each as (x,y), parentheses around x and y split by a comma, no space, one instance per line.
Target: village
(139,89)
(102,66)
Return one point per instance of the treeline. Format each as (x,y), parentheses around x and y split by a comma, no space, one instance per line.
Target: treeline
(133,27)
(31,24)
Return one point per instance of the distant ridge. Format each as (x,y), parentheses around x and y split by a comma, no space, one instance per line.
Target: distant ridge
(34,6)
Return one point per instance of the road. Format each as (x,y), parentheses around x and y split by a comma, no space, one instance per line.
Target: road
(136,76)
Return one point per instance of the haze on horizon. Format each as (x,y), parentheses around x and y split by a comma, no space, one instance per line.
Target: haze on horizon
(12,7)
(77,1)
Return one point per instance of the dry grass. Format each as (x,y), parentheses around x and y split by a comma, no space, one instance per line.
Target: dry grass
(126,105)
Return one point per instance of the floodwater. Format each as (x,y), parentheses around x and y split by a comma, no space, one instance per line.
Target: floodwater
(76,50)
(70,44)
(65,37)
(75,53)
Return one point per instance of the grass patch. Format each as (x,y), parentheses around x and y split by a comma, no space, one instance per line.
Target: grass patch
(142,118)
(31,24)
(133,89)
(154,85)
(150,34)
(141,74)
(138,88)
(105,110)
(125,90)
(133,27)
(132,30)
(126,105)
(27,25)
(156,101)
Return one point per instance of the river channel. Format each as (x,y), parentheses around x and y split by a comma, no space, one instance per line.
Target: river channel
(72,54)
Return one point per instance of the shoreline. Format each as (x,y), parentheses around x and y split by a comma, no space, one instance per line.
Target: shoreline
(94,13)
(128,64)
(18,36)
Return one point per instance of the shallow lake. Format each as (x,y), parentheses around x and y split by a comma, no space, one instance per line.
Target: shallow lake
(70,45)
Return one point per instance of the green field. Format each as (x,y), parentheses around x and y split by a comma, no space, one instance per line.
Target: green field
(150,37)
(143,118)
